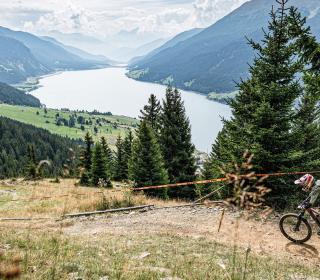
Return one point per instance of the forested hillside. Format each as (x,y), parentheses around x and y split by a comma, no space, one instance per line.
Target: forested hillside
(15,140)
(13,96)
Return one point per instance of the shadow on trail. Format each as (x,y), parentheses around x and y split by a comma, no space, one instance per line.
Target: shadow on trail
(302,250)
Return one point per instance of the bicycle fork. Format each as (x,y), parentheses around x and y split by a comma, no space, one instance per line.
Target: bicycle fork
(300,217)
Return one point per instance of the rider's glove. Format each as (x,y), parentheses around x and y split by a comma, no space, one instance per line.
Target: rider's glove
(305,205)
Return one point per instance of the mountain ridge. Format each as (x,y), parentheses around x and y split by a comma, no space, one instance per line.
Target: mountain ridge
(217,57)
(25,55)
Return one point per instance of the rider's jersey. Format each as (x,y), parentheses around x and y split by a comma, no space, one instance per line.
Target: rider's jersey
(315,192)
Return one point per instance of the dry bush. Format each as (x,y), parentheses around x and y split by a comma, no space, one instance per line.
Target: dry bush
(9,269)
(248,190)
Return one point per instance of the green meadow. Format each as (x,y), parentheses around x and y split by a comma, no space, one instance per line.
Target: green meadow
(98,125)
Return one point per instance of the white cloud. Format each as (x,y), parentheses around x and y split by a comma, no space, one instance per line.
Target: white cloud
(101,18)
(208,11)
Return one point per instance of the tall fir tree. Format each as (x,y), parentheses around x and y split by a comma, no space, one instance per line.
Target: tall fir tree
(308,111)
(264,108)
(151,113)
(120,172)
(175,140)
(127,153)
(306,43)
(307,126)
(86,159)
(31,168)
(99,168)
(108,156)
(147,166)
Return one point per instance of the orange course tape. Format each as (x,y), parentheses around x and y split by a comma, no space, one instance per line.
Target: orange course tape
(181,184)
(203,182)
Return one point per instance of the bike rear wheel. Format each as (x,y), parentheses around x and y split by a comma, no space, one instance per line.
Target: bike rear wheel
(295,228)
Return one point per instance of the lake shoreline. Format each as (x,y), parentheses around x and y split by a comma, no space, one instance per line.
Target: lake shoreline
(220,100)
(33,83)
(110,90)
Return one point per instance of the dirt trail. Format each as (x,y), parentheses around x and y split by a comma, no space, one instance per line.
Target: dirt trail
(263,237)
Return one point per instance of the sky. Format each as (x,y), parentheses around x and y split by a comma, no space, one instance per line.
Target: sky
(102,18)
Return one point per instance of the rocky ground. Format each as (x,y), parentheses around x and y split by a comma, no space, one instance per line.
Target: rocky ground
(263,237)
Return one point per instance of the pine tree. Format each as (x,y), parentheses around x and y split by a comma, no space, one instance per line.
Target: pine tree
(306,43)
(308,112)
(127,149)
(120,172)
(307,126)
(31,168)
(98,170)
(108,156)
(147,166)
(175,140)
(264,108)
(151,113)
(86,160)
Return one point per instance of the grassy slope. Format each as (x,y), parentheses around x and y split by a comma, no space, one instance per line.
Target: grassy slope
(47,251)
(29,115)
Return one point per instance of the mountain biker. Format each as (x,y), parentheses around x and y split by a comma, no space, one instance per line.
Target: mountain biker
(309,185)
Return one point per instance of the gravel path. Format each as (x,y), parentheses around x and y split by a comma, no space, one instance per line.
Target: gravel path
(262,237)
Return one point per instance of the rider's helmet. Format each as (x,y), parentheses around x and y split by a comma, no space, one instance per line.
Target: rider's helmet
(306,182)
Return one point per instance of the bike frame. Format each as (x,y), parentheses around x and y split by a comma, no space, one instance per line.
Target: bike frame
(314,215)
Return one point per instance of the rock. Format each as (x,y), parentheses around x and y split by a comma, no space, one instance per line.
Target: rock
(157,269)
(74,276)
(104,278)
(222,265)
(143,255)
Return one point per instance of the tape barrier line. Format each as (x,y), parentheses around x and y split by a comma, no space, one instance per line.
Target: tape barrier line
(181,184)
(204,182)
(286,173)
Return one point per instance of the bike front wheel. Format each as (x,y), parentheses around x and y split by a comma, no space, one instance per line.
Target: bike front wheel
(295,228)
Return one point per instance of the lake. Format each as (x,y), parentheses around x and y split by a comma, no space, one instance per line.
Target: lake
(111,90)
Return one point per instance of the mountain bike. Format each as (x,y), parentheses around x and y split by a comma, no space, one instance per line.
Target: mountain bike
(296,227)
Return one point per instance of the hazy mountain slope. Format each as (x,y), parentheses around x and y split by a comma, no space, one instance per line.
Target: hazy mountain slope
(48,54)
(13,96)
(143,50)
(81,53)
(216,57)
(174,41)
(17,63)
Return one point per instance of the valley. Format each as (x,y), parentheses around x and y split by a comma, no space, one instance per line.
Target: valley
(149,140)
(110,89)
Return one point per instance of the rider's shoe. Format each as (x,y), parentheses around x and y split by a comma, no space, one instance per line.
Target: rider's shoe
(319,233)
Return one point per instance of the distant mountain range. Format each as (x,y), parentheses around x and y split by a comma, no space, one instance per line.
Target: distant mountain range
(171,43)
(94,58)
(24,55)
(122,46)
(212,59)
